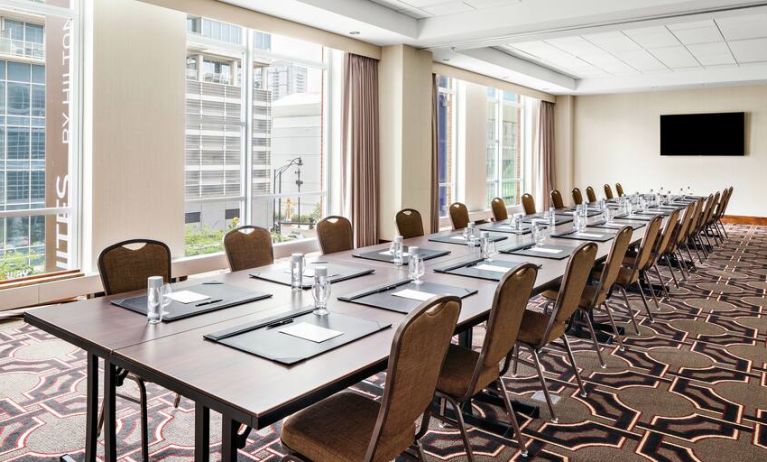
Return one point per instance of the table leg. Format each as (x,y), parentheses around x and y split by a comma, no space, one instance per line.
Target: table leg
(201,433)
(110,412)
(92,408)
(465,338)
(229,429)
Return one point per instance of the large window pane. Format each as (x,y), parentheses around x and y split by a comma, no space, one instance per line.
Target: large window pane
(36,194)
(446,153)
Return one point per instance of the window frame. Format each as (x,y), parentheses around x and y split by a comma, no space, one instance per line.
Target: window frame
(500,103)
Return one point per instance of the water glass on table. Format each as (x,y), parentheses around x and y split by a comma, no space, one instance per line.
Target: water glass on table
(396,250)
(539,232)
(154,299)
(415,267)
(321,290)
(297,264)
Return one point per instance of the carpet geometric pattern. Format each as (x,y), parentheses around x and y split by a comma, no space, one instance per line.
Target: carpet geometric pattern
(691,387)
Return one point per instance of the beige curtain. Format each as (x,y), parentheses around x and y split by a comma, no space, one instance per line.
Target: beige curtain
(360,170)
(434,218)
(546,150)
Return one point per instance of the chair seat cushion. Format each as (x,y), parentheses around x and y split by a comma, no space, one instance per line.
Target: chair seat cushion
(339,428)
(534,326)
(457,371)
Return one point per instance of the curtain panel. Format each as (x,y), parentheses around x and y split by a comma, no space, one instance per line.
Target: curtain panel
(434,216)
(360,166)
(546,150)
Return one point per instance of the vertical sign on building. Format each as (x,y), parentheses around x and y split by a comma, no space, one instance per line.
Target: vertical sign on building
(59,40)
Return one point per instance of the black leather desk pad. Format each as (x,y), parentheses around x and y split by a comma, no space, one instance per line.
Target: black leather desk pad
(655,212)
(385,256)
(592,212)
(338,273)
(634,217)
(558,220)
(468,268)
(504,227)
(529,251)
(592,236)
(261,339)
(616,225)
(228,294)
(452,238)
(381,296)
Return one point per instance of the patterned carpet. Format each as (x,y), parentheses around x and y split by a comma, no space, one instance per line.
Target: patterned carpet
(692,387)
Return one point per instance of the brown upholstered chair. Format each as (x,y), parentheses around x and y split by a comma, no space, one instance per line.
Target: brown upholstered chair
(590,194)
(248,247)
(528,203)
(660,251)
(556,199)
(608,191)
(335,234)
(409,223)
(499,209)
(634,266)
(540,329)
(619,190)
(710,228)
(459,215)
(467,372)
(125,267)
(351,427)
(675,247)
(577,196)
(724,210)
(595,295)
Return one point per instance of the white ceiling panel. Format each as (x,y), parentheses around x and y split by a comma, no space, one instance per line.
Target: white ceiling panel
(653,37)
(614,42)
(749,51)
(675,57)
(712,54)
(743,27)
(442,9)
(641,60)
(696,32)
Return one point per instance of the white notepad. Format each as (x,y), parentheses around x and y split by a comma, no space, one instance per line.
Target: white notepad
(385,252)
(187,296)
(310,332)
(413,294)
(545,250)
(458,238)
(495,268)
(595,236)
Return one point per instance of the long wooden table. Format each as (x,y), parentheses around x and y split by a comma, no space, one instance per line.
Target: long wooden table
(248,389)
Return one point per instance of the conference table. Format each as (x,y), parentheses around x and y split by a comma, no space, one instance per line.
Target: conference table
(248,389)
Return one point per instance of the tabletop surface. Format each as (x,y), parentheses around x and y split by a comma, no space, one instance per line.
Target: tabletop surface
(176,355)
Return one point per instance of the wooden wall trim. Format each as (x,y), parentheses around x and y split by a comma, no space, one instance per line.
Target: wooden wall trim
(742,220)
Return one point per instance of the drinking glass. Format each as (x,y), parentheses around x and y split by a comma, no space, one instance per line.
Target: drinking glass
(321,290)
(415,267)
(539,232)
(396,250)
(471,238)
(297,264)
(153,299)
(606,215)
(165,292)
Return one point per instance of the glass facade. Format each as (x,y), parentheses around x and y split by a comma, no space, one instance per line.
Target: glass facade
(504,152)
(446,155)
(35,153)
(254,134)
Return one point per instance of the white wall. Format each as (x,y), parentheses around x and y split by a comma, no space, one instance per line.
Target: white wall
(134,178)
(616,138)
(472,151)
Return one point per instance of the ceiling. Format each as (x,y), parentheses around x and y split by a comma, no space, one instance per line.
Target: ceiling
(561,46)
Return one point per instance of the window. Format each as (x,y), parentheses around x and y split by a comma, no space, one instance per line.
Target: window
(504,153)
(446,145)
(37,149)
(255,130)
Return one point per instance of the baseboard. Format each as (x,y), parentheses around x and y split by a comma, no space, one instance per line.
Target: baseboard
(741,220)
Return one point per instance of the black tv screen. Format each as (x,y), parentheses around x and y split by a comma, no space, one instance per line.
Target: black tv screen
(720,134)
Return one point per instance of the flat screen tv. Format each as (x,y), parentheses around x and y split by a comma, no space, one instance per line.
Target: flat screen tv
(721,134)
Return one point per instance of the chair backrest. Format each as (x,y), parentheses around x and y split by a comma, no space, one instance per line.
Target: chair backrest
(409,223)
(703,219)
(573,282)
(590,194)
(651,236)
(124,269)
(608,191)
(459,215)
(614,260)
(577,196)
(248,247)
(335,234)
(528,203)
(727,203)
(698,216)
(556,199)
(415,362)
(619,189)
(499,209)
(723,204)
(508,309)
(684,224)
(714,208)
(668,232)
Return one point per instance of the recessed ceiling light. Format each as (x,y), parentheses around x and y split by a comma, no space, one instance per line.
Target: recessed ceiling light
(354,32)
